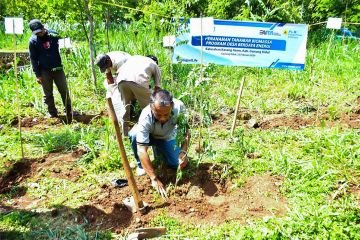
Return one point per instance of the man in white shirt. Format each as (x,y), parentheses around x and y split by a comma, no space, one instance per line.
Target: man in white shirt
(133,80)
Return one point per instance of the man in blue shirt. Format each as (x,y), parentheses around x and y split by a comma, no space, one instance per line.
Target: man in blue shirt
(46,62)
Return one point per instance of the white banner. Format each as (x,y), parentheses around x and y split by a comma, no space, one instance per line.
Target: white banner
(252,44)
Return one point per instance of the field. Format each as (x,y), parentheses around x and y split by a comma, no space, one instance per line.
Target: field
(292,169)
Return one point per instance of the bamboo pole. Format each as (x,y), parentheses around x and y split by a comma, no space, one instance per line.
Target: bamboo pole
(17,93)
(237,106)
(129,175)
(201,79)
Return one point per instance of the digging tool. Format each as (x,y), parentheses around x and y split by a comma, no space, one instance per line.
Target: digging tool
(136,199)
(143,233)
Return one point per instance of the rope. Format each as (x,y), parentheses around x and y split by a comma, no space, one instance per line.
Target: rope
(313,24)
(130,8)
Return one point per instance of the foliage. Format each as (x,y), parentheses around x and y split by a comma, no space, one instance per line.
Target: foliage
(314,161)
(63,140)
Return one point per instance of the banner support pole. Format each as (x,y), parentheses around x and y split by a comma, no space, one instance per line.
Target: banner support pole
(237,106)
(201,79)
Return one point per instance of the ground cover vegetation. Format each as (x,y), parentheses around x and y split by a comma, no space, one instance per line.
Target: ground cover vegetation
(292,169)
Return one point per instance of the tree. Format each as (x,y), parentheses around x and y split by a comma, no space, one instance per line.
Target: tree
(91,49)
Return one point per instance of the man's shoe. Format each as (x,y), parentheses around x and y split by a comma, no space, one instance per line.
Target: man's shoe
(120,183)
(52,116)
(68,118)
(133,165)
(140,171)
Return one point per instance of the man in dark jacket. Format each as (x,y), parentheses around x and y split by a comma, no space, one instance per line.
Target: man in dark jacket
(46,62)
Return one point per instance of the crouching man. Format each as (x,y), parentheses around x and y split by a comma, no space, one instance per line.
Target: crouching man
(157,127)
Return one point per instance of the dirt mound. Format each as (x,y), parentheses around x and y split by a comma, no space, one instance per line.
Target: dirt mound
(29,122)
(203,197)
(259,197)
(205,194)
(350,120)
(17,173)
(26,168)
(118,218)
(295,122)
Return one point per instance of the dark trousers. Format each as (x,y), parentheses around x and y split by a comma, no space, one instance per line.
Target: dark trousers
(60,81)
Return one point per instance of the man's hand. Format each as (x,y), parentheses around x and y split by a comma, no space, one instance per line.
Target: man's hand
(157,184)
(40,80)
(183,159)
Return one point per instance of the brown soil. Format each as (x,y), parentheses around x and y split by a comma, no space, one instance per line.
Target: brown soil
(355,190)
(350,120)
(44,123)
(224,121)
(60,165)
(203,197)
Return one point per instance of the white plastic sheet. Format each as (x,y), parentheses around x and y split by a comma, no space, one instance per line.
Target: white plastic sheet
(206,29)
(169,41)
(334,23)
(14,25)
(65,43)
(112,91)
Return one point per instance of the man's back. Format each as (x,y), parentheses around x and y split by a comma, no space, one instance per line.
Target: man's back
(139,69)
(118,58)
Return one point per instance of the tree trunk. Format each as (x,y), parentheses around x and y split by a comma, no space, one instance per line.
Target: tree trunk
(91,34)
(82,19)
(107,27)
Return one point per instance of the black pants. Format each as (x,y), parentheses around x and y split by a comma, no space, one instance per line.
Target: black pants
(59,78)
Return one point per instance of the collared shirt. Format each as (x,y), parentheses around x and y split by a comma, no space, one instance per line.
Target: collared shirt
(139,69)
(44,52)
(148,125)
(118,58)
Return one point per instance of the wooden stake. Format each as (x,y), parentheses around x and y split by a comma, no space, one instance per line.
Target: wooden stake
(129,175)
(17,93)
(237,106)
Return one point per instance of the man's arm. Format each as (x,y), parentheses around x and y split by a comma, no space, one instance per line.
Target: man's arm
(157,77)
(183,121)
(146,163)
(34,58)
(54,34)
(145,160)
(183,158)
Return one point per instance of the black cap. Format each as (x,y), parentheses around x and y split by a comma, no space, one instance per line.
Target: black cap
(35,26)
(101,61)
(153,58)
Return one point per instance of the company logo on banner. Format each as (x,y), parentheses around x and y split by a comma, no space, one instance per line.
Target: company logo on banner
(251,44)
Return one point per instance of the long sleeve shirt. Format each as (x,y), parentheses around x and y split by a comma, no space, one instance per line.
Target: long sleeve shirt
(44,52)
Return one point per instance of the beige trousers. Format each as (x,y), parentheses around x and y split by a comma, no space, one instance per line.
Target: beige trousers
(130,91)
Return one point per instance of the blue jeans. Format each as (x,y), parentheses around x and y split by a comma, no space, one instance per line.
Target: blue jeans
(168,150)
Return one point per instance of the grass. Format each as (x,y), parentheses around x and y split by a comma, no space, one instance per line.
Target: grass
(320,165)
